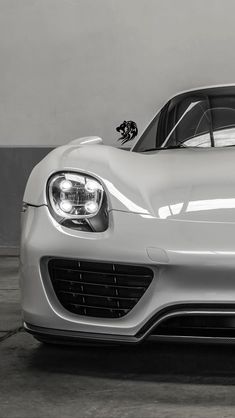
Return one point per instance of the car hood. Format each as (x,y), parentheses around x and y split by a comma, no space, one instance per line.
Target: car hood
(177,184)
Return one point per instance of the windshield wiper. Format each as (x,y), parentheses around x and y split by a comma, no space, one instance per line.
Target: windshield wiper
(169,147)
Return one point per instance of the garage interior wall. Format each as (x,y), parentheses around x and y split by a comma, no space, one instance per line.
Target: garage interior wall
(73,68)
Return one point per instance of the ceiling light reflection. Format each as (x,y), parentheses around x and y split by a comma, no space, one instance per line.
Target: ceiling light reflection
(193,252)
(196,206)
(212,204)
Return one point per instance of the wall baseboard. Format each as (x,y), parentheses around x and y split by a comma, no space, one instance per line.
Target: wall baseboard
(9,251)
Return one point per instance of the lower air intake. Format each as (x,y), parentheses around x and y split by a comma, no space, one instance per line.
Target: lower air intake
(219,326)
(98,289)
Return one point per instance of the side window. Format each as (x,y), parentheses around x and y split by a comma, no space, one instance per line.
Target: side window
(182,120)
(223,125)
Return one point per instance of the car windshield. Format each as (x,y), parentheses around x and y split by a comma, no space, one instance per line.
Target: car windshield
(203,119)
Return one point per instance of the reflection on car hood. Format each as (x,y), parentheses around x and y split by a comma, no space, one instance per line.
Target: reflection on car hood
(179,184)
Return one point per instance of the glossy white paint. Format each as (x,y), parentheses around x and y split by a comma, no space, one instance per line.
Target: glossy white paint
(172,210)
(180,184)
(185,270)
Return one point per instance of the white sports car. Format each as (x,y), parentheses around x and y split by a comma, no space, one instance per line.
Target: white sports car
(124,246)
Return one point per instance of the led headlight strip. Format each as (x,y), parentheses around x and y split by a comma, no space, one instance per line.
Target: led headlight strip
(75,198)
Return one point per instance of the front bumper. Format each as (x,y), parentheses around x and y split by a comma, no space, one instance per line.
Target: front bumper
(193,265)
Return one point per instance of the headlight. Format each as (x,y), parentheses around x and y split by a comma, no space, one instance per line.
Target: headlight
(75,199)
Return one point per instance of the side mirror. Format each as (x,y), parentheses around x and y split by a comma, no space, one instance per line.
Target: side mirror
(128,130)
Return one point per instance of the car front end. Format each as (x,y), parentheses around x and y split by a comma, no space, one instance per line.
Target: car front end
(123,246)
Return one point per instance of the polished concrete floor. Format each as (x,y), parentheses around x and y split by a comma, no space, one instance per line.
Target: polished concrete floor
(152,380)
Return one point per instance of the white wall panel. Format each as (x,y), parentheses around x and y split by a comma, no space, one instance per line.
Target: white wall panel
(78,67)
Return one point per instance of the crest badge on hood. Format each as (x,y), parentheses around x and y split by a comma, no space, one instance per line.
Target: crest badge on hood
(128,130)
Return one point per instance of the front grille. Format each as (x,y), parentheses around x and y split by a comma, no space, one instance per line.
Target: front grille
(98,289)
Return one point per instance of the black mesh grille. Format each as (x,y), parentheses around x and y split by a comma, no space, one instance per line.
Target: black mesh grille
(98,289)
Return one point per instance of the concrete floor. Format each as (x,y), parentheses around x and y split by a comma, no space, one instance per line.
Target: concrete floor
(152,380)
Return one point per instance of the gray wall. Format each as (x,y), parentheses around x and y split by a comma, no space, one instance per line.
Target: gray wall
(79,67)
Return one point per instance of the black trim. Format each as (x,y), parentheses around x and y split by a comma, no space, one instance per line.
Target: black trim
(49,334)
(181,307)
(55,335)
